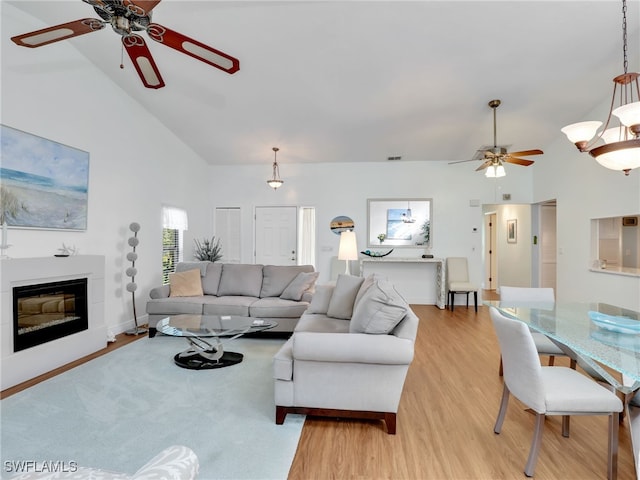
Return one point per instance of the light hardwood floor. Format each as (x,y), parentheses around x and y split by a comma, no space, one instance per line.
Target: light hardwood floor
(446,417)
(445,420)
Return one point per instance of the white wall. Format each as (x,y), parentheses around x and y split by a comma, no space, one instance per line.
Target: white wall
(586,190)
(343,189)
(136,165)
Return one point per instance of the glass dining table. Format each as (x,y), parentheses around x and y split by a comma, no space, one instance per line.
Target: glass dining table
(597,335)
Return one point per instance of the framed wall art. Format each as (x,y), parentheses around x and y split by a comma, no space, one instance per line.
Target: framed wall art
(398,222)
(43,184)
(512,231)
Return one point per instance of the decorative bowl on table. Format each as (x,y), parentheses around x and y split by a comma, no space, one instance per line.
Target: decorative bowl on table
(370,253)
(615,323)
(629,342)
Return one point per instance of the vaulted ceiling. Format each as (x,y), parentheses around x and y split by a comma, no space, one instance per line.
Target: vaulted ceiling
(349,81)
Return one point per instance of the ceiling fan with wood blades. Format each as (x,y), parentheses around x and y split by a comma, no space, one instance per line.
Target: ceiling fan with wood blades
(127,17)
(497,155)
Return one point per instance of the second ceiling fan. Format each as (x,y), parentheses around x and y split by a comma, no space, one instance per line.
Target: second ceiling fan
(497,155)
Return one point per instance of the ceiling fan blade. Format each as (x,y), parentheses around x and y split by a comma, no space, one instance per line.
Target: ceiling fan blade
(193,48)
(463,161)
(141,7)
(58,32)
(526,153)
(484,165)
(518,161)
(143,61)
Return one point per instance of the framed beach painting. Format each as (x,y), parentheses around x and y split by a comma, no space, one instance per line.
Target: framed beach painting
(43,184)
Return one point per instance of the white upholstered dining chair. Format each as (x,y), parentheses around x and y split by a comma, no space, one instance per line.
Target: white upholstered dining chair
(544,345)
(549,390)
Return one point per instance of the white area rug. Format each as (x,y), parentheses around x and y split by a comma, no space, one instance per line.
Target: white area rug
(118,411)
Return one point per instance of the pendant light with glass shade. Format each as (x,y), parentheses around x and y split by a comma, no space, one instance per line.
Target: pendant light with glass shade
(620,146)
(275,182)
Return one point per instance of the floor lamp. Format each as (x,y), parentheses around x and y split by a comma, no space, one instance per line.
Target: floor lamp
(348,249)
(131,272)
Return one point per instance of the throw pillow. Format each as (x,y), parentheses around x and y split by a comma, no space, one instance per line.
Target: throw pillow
(380,309)
(366,284)
(185,284)
(344,295)
(321,298)
(275,278)
(303,282)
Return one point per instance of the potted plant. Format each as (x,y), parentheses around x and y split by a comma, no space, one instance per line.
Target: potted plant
(426,231)
(208,250)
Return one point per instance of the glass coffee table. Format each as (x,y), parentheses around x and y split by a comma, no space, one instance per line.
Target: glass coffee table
(202,355)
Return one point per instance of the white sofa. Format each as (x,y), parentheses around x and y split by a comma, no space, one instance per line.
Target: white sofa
(349,354)
(270,292)
(173,463)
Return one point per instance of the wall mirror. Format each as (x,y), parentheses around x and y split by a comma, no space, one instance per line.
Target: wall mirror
(617,243)
(396,222)
(340,224)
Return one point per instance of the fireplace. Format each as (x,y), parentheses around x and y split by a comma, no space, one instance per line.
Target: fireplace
(47,311)
(19,366)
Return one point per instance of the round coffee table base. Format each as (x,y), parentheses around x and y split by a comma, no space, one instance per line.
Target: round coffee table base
(198,362)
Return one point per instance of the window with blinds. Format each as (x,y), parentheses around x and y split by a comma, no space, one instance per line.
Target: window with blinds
(170,252)
(174,222)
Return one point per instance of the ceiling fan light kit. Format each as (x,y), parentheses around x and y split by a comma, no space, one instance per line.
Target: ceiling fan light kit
(275,182)
(616,148)
(125,18)
(495,171)
(494,158)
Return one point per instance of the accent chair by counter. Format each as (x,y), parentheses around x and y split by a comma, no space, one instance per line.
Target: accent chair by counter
(458,281)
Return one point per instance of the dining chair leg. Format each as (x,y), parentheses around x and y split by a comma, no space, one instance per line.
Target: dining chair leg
(475,301)
(573,364)
(612,464)
(503,409)
(552,360)
(535,445)
(501,369)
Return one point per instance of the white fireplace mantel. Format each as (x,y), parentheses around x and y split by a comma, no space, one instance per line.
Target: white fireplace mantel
(26,364)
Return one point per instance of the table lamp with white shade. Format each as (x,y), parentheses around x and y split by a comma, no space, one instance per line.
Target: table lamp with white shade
(348,249)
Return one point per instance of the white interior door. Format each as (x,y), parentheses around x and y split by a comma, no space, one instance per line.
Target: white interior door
(276,235)
(491,270)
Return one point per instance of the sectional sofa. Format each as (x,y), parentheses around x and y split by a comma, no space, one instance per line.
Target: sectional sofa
(269,292)
(350,353)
